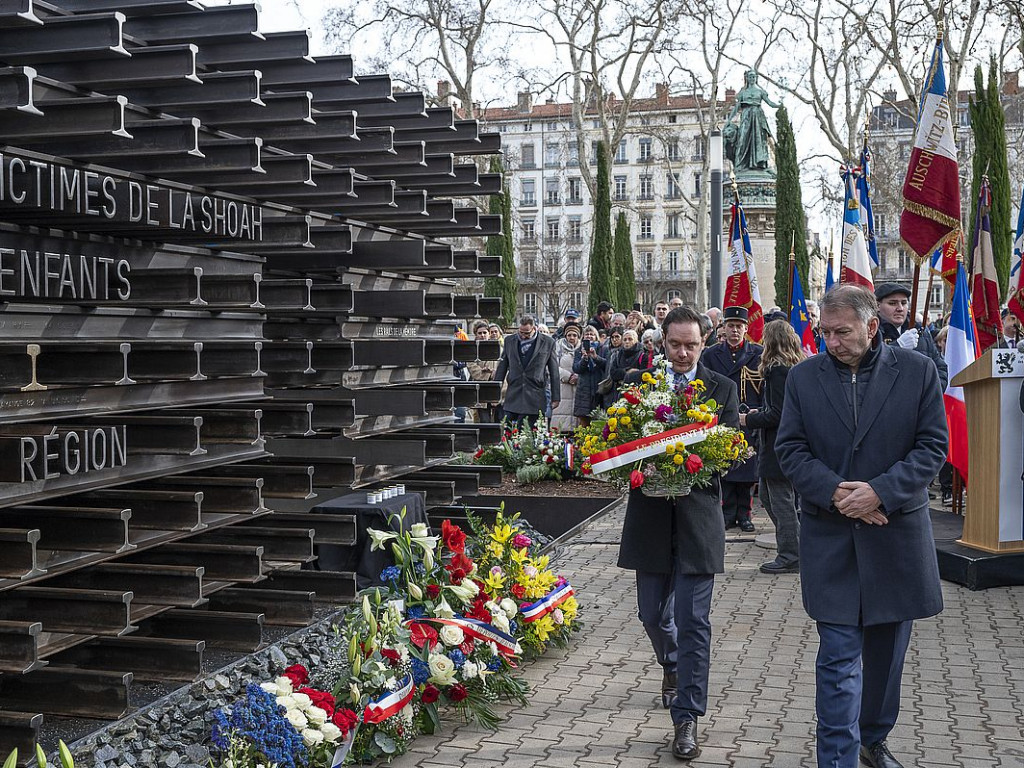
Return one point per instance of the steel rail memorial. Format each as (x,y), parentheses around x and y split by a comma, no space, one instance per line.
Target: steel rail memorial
(227,292)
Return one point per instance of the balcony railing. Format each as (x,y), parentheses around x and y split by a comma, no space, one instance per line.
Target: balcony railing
(528,201)
(574,201)
(666,275)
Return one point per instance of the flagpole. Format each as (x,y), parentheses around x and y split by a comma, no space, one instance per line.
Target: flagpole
(792,266)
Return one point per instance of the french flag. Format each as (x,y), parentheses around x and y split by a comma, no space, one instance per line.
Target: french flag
(741,288)
(1015,296)
(984,285)
(931,190)
(855,259)
(961,351)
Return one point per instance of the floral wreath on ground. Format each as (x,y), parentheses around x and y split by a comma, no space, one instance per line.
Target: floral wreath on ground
(456,614)
(531,453)
(660,440)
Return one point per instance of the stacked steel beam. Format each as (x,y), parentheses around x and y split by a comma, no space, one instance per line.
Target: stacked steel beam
(225,294)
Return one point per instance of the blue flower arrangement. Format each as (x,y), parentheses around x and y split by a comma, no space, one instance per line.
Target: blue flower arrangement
(257,725)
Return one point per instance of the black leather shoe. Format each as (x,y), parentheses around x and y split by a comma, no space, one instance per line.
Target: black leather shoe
(668,689)
(775,566)
(684,744)
(730,524)
(879,756)
(747,526)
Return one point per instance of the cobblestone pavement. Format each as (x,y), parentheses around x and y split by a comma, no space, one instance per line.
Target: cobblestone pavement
(963,687)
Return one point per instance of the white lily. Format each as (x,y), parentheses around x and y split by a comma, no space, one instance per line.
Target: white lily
(442,610)
(379,538)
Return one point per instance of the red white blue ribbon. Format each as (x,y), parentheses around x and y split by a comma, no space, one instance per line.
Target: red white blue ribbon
(570,455)
(385,706)
(344,748)
(548,603)
(478,630)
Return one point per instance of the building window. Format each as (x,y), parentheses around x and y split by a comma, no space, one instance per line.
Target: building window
(880,223)
(646,227)
(529,229)
(619,190)
(620,153)
(551,154)
(552,126)
(575,229)
(575,300)
(551,230)
(673,295)
(672,261)
(529,198)
(671,118)
(527,127)
(673,226)
(594,148)
(551,265)
(575,191)
(552,307)
(697,183)
(551,191)
(672,189)
(672,150)
(530,303)
(646,188)
(698,148)
(574,154)
(575,270)
(645,150)
(528,266)
(937,299)
(527,155)
(647,261)
(904,262)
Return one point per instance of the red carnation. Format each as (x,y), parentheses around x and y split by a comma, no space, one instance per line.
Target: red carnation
(345,719)
(519,591)
(454,537)
(636,478)
(423,634)
(467,646)
(457,692)
(298,674)
(693,464)
(432,591)
(430,694)
(631,397)
(391,655)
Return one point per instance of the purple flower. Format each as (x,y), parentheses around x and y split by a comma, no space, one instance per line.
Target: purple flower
(520,540)
(605,432)
(663,413)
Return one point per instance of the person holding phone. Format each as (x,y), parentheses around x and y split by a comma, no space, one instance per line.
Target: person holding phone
(589,365)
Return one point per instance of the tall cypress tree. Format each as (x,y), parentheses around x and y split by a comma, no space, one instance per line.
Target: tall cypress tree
(602,265)
(988,123)
(625,277)
(506,286)
(789,210)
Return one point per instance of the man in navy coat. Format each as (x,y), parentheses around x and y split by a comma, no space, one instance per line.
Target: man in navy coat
(739,360)
(676,546)
(863,433)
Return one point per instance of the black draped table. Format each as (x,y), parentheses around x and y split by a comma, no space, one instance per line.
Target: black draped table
(384,515)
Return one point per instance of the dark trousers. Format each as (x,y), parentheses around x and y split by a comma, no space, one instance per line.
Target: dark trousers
(736,501)
(779,502)
(521,419)
(857,692)
(675,610)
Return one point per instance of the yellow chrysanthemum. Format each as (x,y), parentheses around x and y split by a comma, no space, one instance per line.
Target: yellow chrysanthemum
(670,448)
(647,378)
(625,421)
(612,435)
(678,459)
(612,423)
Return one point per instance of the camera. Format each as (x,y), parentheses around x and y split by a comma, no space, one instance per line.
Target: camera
(744,408)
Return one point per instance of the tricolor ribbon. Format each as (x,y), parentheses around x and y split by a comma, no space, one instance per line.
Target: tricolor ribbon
(385,706)
(635,450)
(570,457)
(477,630)
(344,748)
(548,603)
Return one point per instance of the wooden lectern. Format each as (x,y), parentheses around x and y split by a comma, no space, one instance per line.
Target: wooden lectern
(994,518)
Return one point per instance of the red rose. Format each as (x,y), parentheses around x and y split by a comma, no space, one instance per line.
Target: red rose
(391,655)
(519,591)
(321,699)
(454,537)
(478,454)
(457,692)
(636,478)
(693,464)
(345,719)
(297,674)
(430,694)
(432,591)
(423,634)
(631,397)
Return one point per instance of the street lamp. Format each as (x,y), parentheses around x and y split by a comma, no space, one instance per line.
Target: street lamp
(716,164)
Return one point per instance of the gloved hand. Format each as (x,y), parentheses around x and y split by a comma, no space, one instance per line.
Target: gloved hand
(908,339)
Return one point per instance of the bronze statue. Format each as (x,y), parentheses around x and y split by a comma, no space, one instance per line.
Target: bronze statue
(746,143)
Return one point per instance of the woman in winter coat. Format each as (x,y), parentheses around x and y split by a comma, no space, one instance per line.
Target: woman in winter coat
(782,350)
(613,349)
(589,365)
(562,417)
(627,360)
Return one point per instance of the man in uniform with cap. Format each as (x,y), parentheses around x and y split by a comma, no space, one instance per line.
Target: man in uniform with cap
(895,326)
(738,359)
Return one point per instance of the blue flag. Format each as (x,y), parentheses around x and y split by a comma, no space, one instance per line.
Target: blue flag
(1018,241)
(865,203)
(800,318)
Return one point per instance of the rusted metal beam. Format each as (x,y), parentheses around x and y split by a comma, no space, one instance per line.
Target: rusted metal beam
(223,495)
(329,586)
(18,553)
(19,647)
(72,528)
(69,692)
(222,562)
(20,730)
(280,481)
(177,585)
(327,529)
(148,658)
(293,545)
(151,510)
(78,611)
(288,608)
(219,629)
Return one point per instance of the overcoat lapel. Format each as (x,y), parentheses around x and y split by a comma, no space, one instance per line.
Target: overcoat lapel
(832,389)
(879,386)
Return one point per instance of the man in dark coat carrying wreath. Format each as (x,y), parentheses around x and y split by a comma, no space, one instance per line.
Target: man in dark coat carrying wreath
(676,546)
(862,434)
